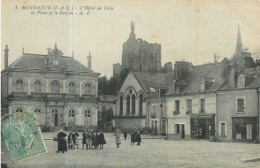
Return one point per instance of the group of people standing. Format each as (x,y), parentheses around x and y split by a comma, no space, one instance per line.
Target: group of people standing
(92,139)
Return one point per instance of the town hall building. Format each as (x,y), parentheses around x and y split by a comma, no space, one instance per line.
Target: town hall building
(59,89)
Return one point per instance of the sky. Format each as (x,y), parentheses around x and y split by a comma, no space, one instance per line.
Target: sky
(187,30)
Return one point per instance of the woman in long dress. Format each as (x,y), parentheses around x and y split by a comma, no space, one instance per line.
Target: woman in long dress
(117,138)
(101,140)
(89,140)
(62,144)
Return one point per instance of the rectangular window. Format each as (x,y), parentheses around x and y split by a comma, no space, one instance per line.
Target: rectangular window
(153,115)
(240,105)
(202,105)
(177,106)
(189,105)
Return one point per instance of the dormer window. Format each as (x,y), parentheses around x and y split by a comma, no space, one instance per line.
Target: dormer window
(241,81)
(202,85)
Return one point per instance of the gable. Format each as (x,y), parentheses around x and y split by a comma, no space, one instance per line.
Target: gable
(131,82)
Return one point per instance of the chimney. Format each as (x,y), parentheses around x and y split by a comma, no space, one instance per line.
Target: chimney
(232,75)
(89,61)
(168,66)
(6,56)
(181,69)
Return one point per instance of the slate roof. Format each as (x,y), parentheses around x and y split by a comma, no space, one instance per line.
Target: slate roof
(213,74)
(154,80)
(36,61)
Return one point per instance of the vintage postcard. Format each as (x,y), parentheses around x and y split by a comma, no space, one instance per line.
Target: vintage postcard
(130,83)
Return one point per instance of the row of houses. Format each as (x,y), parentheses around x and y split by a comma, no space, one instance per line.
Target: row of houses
(211,101)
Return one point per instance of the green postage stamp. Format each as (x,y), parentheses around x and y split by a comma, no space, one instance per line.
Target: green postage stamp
(23,137)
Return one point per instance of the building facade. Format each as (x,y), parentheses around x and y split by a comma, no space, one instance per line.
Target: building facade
(191,101)
(59,89)
(140,103)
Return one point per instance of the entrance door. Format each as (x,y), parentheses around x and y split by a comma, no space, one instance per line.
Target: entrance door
(182,131)
(163,127)
(56,120)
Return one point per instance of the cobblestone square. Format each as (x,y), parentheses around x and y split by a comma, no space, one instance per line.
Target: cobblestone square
(151,153)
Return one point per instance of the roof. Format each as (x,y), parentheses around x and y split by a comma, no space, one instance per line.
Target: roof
(213,74)
(154,80)
(36,61)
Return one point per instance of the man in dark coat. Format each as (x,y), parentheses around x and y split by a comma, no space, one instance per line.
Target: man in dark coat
(101,140)
(62,144)
(84,134)
(125,134)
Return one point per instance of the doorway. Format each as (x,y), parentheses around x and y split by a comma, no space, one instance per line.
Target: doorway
(56,119)
(182,131)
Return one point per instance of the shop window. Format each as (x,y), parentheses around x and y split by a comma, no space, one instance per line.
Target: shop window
(240,105)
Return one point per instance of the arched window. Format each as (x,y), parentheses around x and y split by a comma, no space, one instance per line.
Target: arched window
(37,86)
(55,86)
(141,104)
(128,105)
(55,111)
(87,113)
(19,110)
(121,105)
(133,104)
(87,89)
(19,85)
(71,117)
(71,88)
(37,111)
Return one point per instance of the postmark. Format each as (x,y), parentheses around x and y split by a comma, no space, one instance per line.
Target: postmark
(23,137)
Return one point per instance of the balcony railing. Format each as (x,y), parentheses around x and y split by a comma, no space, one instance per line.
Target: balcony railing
(38,95)
(72,96)
(55,96)
(19,95)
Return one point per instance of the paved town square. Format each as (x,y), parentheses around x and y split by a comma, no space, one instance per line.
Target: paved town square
(153,152)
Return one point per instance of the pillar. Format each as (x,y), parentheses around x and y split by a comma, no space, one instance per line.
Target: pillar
(80,88)
(28,86)
(64,86)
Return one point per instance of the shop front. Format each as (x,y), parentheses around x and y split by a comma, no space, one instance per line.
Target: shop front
(244,129)
(202,126)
